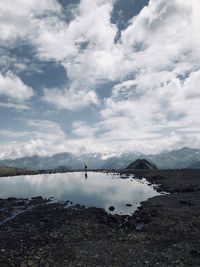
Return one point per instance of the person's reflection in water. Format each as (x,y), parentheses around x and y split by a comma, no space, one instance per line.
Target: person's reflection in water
(86,176)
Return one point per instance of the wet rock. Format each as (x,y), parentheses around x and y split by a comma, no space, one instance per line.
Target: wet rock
(111,208)
(139,226)
(37,198)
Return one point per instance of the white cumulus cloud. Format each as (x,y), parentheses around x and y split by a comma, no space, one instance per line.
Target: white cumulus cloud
(154,64)
(16,92)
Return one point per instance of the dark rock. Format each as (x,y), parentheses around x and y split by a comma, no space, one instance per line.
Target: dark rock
(131,223)
(37,198)
(12,199)
(45,220)
(154,213)
(139,226)
(114,221)
(111,208)
(157,177)
(185,202)
(189,189)
(195,253)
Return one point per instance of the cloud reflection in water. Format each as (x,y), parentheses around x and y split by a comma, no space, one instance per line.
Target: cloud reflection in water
(96,190)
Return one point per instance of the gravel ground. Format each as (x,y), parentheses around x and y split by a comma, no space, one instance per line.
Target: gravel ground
(164,231)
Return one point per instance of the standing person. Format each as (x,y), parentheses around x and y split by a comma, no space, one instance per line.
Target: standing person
(85,167)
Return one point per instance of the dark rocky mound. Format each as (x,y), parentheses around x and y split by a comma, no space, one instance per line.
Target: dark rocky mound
(141,164)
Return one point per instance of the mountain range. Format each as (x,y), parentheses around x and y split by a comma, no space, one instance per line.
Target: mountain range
(176,159)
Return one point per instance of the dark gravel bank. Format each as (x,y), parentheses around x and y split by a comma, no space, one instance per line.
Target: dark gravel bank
(164,231)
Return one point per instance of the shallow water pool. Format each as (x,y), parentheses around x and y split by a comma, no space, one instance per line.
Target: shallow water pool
(97,189)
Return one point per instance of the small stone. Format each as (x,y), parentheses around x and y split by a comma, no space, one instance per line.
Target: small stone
(139,226)
(131,223)
(111,208)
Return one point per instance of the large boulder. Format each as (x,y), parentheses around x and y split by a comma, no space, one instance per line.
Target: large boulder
(141,164)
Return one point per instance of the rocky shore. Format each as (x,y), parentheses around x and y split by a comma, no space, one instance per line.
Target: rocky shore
(164,231)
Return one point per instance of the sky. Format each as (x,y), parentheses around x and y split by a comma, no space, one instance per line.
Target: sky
(98,76)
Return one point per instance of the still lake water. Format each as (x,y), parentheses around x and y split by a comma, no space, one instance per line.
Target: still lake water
(96,190)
